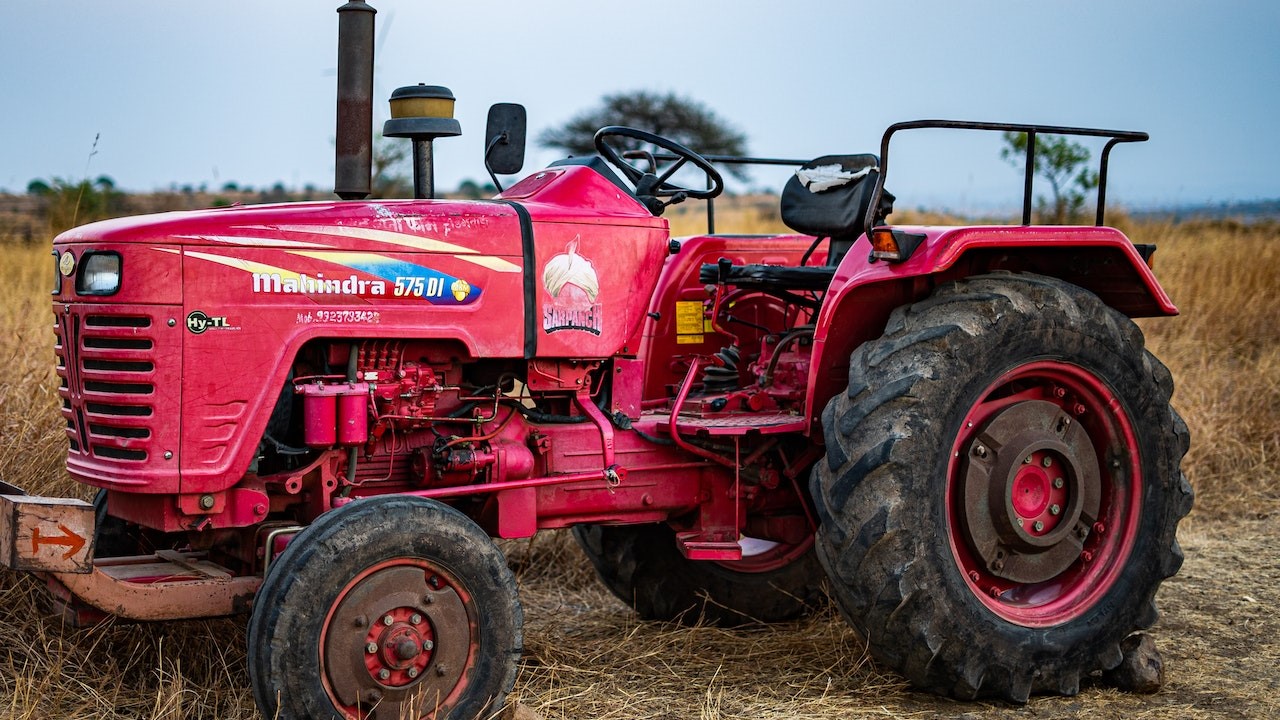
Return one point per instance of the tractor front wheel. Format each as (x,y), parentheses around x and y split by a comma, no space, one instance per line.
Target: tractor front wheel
(1002,488)
(395,607)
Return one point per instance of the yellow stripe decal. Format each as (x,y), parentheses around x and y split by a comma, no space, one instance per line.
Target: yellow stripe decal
(416,242)
(252,241)
(246,265)
(493,263)
(404,239)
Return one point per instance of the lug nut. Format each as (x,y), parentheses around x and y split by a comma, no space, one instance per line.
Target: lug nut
(415,619)
(383,674)
(1058,483)
(413,672)
(1026,460)
(387,619)
(1038,526)
(371,648)
(427,645)
(428,599)
(1020,522)
(1054,509)
(980,451)
(1047,461)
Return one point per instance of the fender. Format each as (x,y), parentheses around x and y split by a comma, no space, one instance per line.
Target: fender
(862,294)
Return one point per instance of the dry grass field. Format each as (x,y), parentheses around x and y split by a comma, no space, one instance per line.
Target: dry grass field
(587,656)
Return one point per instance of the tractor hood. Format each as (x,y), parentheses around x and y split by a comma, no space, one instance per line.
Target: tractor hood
(479,227)
(409,225)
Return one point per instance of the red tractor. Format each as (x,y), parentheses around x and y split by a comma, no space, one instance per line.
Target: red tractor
(321,413)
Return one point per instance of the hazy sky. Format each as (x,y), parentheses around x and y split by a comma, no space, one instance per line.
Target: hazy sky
(191,93)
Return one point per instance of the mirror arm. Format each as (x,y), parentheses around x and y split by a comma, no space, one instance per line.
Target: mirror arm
(502,139)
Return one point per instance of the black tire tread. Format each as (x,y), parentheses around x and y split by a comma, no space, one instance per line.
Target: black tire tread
(293,594)
(878,562)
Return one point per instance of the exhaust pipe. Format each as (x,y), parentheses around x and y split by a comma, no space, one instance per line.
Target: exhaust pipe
(353,161)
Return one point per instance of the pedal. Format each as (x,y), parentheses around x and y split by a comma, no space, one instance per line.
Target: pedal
(696,549)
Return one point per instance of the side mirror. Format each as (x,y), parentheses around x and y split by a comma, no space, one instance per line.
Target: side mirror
(504,140)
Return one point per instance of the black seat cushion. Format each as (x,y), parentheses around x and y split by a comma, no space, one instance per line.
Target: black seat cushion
(839,210)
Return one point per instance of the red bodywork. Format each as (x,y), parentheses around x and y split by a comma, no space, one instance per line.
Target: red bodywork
(536,360)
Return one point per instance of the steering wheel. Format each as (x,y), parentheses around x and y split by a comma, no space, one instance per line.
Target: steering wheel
(650,188)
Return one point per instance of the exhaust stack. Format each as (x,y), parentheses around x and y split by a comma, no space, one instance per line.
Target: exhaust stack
(353,161)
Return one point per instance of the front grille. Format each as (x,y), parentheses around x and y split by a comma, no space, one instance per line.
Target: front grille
(107,376)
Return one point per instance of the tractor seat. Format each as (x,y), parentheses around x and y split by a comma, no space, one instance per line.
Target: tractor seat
(827,197)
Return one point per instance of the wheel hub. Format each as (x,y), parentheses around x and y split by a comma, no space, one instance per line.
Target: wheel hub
(399,647)
(1031,492)
(399,638)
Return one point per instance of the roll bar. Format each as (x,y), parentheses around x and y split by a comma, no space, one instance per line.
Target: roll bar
(1116,137)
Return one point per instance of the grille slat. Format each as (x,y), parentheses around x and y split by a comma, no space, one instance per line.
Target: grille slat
(118,388)
(120,432)
(125,366)
(124,410)
(116,453)
(121,343)
(124,321)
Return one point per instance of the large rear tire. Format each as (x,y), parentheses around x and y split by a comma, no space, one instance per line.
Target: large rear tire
(389,607)
(1002,488)
(642,566)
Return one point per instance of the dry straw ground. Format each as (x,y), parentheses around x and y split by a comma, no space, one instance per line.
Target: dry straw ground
(588,657)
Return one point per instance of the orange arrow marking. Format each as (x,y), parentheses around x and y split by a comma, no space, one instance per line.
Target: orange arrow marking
(69,538)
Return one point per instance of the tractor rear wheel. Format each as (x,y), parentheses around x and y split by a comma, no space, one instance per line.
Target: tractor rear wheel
(1002,488)
(389,607)
(644,568)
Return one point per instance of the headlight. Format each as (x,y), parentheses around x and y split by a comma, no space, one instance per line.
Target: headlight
(99,274)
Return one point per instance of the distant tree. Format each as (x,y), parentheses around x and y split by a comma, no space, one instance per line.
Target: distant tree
(278,193)
(472,190)
(66,204)
(391,171)
(1063,163)
(684,120)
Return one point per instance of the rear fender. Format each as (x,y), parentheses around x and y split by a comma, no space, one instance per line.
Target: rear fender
(863,294)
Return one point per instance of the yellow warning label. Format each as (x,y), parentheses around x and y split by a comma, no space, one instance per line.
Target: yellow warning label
(689,318)
(689,339)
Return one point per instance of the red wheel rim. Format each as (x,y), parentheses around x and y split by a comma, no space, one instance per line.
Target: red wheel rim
(401,637)
(1043,496)
(761,556)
